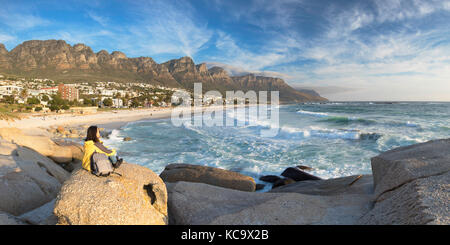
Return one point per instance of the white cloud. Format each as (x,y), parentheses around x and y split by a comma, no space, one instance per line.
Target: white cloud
(97,18)
(274,53)
(169,27)
(239,71)
(21,21)
(4,38)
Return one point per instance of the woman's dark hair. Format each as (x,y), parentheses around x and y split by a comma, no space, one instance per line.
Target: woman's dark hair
(92,134)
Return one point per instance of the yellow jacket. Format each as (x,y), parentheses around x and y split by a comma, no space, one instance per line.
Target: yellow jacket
(89,148)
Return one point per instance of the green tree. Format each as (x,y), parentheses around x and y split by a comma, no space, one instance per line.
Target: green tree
(87,102)
(9,99)
(45,98)
(33,101)
(54,107)
(135,102)
(107,102)
(23,93)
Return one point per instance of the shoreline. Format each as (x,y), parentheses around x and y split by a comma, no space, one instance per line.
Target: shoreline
(110,119)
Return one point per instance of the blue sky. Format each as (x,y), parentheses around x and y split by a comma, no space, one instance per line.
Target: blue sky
(349,50)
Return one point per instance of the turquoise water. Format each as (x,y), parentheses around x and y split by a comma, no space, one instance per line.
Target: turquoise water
(336,139)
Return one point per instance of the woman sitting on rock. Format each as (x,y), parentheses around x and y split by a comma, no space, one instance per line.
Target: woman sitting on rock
(93,144)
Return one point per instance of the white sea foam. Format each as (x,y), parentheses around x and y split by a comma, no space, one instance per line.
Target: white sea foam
(331,146)
(311,113)
(113,138)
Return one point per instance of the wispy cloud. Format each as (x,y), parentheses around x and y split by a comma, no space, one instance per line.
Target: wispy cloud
(239,71)
(377,45)
(169,27)
(19,21)
(4,38)
(97,18)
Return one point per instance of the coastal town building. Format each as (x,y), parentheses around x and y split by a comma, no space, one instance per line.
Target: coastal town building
(117,103)
(49,90)
(68,92)
(9,89)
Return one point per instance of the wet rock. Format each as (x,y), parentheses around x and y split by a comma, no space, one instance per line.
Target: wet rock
(282,182)
(259,187)
(298,175)
(270,178)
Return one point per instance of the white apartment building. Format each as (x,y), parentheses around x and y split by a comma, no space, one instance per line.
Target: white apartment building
(117,103)
(10,89)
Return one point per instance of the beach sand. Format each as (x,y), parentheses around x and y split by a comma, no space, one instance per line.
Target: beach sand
(105,119)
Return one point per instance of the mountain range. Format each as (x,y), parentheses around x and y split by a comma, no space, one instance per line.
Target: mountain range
(60,61)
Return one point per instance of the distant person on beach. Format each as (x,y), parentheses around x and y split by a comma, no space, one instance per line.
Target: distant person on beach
(92,144)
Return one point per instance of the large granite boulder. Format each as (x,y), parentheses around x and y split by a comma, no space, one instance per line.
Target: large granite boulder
(357,184)
(412,185)
(208,175)
(76,149)
(396,167)
(202,204)
(27,179)
(421,201)
(42,144)
(44,163)
(138,197)
(40,216)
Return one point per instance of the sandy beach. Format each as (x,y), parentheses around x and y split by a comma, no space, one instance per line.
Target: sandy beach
(106,119)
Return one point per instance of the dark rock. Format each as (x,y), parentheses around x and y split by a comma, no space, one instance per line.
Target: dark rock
(127,139)
(298,175)
(259,187)
(282,182)
(105,134)
(269,178)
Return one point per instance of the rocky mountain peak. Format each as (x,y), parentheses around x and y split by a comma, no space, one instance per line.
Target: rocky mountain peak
(217,71)
(102,53)
(118,55)
(202,68)
(57,60)
(3,49)
(184,64)
(81,47)
(186,60)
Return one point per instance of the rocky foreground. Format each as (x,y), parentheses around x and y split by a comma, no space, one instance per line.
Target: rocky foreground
(41,183)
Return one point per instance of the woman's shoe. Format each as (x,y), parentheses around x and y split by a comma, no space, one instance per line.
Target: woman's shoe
(118,162)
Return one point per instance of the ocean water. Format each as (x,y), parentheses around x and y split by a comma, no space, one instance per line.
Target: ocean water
(336,139)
